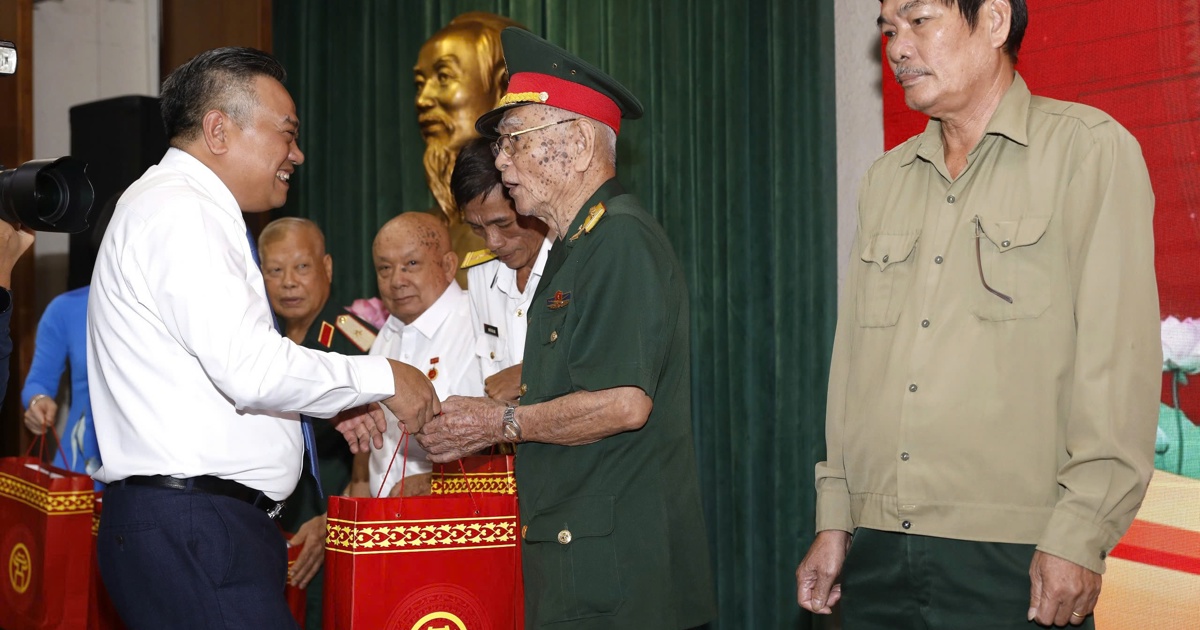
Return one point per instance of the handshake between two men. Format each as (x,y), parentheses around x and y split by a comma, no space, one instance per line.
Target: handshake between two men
(447,431)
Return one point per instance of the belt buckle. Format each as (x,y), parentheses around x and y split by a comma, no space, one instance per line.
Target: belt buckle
(274,512)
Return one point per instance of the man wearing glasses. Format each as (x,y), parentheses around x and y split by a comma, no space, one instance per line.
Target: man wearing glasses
(994,386)
(613,533)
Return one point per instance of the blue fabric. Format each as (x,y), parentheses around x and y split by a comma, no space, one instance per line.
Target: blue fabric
(61,342)
(306,427)
(191,561)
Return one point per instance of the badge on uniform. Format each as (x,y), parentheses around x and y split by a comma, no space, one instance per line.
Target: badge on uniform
(432,373)
(491,330)
(355,331)
(593,217)
(559,300)
(325,337)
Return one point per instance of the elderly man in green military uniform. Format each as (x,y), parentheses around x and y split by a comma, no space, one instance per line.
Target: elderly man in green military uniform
(610,504)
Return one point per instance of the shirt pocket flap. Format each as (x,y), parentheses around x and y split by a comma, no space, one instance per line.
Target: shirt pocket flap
(888,249)
(1006,235)
(489,347)
(581,517)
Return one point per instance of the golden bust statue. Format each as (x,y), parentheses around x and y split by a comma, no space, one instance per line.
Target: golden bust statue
(459,76)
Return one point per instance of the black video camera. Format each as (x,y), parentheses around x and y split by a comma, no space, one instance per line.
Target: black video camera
(45,195)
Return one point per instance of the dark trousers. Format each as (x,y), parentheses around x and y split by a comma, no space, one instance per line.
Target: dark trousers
(893,581)
(188,560)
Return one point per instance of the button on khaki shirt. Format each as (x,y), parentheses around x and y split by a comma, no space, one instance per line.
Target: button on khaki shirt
(1023,413)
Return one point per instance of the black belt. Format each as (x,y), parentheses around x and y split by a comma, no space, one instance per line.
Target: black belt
(209,485)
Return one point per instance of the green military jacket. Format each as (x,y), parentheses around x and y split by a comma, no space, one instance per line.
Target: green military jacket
(333,453)
(613,531)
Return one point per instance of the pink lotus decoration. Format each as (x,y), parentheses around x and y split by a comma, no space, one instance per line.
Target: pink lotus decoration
(1181,345)
(370,311)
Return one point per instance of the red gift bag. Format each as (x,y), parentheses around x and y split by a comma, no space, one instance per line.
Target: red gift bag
(101,613)
(45,544)
(451,560)
(297,598)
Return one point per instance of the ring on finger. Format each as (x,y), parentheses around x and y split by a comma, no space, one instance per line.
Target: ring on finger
(1077,615)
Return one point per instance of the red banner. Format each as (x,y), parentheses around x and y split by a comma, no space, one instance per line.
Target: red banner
(45,544)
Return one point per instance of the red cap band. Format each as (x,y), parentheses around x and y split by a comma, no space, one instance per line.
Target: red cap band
(530,86)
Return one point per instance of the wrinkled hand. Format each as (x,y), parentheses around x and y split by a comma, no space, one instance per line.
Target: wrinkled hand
(504,385)
(361,425)
(465,426)
(1059,587)
(415,402)
(817,585)
(311,538)
(413,486)
(41,414)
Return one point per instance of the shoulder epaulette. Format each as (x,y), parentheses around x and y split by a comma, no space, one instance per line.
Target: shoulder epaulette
(355,331)
(476,257)
(593,217)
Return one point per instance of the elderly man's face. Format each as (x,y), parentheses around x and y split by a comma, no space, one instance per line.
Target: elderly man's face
(263,154)
(934,55)
(538,171)
(412,269)
(297,274)
(451,89)
(516,240)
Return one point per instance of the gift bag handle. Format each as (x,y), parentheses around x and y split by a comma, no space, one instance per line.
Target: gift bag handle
(403,442)
(41,439)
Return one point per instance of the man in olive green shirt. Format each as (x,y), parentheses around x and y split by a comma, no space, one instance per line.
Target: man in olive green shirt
(612,527)
(995,375)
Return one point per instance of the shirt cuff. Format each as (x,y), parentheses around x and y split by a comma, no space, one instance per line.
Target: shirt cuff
(1078,540)
(833,510)
(375,379)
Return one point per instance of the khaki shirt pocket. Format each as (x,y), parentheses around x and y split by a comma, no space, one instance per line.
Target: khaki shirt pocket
(885,279)
(1014,262)
(572,544)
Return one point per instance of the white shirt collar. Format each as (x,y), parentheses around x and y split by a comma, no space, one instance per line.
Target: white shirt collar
(205,179)
(506,278)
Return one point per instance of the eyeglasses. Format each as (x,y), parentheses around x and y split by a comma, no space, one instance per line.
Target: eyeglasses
(505,141)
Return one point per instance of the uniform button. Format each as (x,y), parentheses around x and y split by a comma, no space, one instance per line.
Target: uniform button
(938,259)
(950,199)
(924,324)
(524,388)
(492,355)
(553,336)
(520,312)
(564,537)
(1004,244)
(912,388)
(885,258)
(904,456)
(906,525)
(524,528)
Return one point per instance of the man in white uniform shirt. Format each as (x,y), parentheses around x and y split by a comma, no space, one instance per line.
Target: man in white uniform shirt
(196,396)
(429,328)
(503,278)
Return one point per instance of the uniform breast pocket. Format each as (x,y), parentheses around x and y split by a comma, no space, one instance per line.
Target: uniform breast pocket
(547,354)
(889,260)
(570,547)
(492,353)
(1016,266)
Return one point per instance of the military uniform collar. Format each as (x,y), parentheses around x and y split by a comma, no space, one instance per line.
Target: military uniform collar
(606,191)
(1010,120)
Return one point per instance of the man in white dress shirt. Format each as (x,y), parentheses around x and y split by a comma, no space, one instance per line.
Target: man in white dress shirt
(196,396)
(429,328)
(503,277)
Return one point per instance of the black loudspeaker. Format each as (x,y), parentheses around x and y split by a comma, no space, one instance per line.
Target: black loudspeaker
(119,138)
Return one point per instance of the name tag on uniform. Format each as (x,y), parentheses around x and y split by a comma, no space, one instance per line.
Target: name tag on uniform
(491,330)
